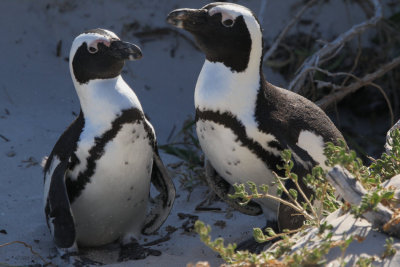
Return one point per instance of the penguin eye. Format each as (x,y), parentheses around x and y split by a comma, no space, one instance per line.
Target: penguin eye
(227,23)
(92,50)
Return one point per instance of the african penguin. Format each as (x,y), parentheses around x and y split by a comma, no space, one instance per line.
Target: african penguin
(98,175)
(242,121)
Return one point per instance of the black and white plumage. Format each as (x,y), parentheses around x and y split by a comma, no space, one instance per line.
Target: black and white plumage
(98,176)
(242,121)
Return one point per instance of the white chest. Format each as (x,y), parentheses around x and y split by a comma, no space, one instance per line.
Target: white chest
(218,88)
(115,200)
(234,161)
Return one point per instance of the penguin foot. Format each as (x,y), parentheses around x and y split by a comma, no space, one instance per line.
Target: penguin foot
(77,260)
(252,246)
(134,251)
(83,262)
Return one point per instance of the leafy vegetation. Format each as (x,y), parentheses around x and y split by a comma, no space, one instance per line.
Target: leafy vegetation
(389,164)
(314,251)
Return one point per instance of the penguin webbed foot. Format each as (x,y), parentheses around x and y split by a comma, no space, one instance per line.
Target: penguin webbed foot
(253,246)
(78,260)
(83,262)
(134,251)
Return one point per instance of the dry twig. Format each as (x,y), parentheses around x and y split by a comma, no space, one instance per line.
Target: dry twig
(263,5)
(46,263)
(341,92)
(4,138)
(287,28)
(387,102)
(355,64)
(332,48)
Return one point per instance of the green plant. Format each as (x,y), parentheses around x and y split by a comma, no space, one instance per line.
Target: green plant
(364,261)
(323,191)
(252,191)
(314,250)
(371,200)
(228,253)
(390,251)
(340,154)
(371,177)
(280,255)
(389,164)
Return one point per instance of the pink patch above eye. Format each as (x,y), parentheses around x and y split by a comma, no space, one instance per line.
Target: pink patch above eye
(105,42)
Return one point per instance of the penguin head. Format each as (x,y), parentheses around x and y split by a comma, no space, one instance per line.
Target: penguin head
(225,32)
(100,54)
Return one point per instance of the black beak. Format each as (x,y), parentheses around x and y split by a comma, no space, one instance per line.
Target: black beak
(188,19)
(125,51)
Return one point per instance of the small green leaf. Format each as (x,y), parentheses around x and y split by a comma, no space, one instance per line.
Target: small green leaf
(270,232)
(264,188)
(259,235)
(293,193)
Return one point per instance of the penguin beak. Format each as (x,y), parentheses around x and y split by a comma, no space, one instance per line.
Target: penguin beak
(125,51)
(188,19)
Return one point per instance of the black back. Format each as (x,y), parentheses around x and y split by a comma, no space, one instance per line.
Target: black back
(285,114)
(67,142)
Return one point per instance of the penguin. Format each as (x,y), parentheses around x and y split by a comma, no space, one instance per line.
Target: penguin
(97,178)
(243,122)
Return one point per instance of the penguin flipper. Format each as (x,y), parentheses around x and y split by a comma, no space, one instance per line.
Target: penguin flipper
(164,201)
(58,209)
(222,188)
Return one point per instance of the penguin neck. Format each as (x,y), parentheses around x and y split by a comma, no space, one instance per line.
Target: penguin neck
(220,89)
(103,100)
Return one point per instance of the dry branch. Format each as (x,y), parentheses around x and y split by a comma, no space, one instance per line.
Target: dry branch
(332,48)
(263,5)
(351,88)
(4,138)
(46,263)
(287,28)
(352,191)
